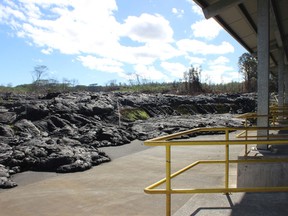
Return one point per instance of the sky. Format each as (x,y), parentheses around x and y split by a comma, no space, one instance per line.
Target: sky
(100,42)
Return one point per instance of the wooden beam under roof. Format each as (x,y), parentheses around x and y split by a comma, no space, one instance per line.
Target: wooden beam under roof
(279,26)
(203,4)
(233,33)
(214,11)
(247,17)
(216,8)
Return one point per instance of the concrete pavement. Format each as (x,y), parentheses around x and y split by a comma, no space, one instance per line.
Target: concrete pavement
(116,188)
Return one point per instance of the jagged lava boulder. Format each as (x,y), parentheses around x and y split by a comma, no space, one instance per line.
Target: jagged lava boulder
(61,132)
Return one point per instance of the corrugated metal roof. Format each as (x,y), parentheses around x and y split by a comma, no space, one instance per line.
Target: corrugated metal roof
(239,19)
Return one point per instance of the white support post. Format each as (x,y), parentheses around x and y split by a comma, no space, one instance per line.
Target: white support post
(263,12)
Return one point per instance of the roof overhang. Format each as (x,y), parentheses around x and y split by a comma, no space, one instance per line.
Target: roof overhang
(239,19)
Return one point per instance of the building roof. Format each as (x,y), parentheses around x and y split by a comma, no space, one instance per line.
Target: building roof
(239,19)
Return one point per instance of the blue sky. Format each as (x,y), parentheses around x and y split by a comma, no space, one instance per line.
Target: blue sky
(97,41)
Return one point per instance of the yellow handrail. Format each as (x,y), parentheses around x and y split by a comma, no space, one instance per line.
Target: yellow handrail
(169,140)
(275,113)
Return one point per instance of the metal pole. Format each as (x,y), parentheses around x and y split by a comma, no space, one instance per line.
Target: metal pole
(227,160)
(168,180)
(246,138)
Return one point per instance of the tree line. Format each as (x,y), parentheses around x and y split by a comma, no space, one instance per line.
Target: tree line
(190,84)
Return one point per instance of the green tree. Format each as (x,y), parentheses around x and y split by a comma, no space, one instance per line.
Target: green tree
(194,80)
(247,64)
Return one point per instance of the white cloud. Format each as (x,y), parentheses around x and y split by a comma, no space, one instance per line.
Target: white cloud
(89,29)
(221,60)
(219,72)
(101,64)
(195,60)
(199,47)
(149,72)
(163,51)
(178,12)
(195,8)
(147,28)
(7,13)
(145,54)
(176,69)
(208,29)
(68,26)
(47,51)
(220,75)
(232,75)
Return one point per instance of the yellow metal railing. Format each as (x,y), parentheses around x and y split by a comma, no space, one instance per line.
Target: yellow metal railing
(279,112)
(173,140)
(275,113)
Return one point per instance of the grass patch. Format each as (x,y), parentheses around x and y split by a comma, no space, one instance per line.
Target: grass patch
(133,114)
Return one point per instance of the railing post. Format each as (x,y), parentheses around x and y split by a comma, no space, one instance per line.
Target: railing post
(227,159)
(168,180)
(246,136)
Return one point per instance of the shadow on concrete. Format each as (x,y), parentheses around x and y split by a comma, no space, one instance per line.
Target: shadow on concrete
(249,204)
(264,204)
(213,209)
